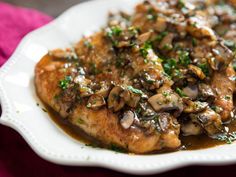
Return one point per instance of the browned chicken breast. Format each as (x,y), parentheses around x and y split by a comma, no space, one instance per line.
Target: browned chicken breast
(146,78)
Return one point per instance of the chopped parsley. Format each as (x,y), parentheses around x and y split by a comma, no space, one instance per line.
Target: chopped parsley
(114,31)
(146,77)
(217,109)
(167,47)
(134,30)
(227,137)
(194,42)
(194,24)
(180,92)
(64,84)
(93,69)
(120,62)
(88,44)
(44,110)
(204,68)
(227,97)
(230,44)
(234,66)
(184,58)
(160,36)
(181,4)
(138,110)
(116,148)
(177,74)
(169,65)
(152,15)
(144,50)
(80,121)
(165,94)
(134,90)
(93,145)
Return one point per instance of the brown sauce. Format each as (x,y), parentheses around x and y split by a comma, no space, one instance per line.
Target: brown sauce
(70,129)
(189,142)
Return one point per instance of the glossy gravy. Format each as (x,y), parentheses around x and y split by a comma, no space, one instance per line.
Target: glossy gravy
(188,142)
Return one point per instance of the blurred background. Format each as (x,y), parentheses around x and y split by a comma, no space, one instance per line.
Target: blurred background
(50,7)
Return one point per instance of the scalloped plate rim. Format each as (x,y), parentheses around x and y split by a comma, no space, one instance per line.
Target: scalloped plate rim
(7,118)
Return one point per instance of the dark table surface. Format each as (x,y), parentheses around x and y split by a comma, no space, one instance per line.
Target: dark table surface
(55,8)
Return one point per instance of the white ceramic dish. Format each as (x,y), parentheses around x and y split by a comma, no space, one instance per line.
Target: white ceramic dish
(18,100)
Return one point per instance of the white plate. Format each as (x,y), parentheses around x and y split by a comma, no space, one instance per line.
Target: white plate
(18,100)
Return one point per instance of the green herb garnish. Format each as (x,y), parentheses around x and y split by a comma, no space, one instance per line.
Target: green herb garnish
(64,84)
(93,69)
(160,36)
(227,137)
(180,92)
(169,65)
(234,66)
(144,50)
(80,121)
(88,44)
(177,73)
(194,42)
(134,90)
(204,68)
(116,148)
(44,110)
(134,30)
(120,62)
(114,31)
(138,110)
(167,47)
(227,97)
(152,15)
(217,109)
(181,4)
(165,94)
(184,58)
(230,44)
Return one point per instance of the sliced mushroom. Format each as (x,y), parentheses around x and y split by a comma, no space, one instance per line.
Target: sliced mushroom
(161,24)
(96,101)
(191,128)
(206,92)
(66,101)
(191,91)
(164,121)
(128,119)
(121,44)
(144,37)
(85,91)
(166,102)
(214,63)
(104,89)
(209,120)
(197,71)
(223,56)
(194,106)
(83,83)
(146,111)
(167,41)
(116,102)
(151,80)
(131,99)
(198,28)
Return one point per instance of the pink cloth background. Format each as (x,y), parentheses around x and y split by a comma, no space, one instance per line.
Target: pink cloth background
(16,157)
